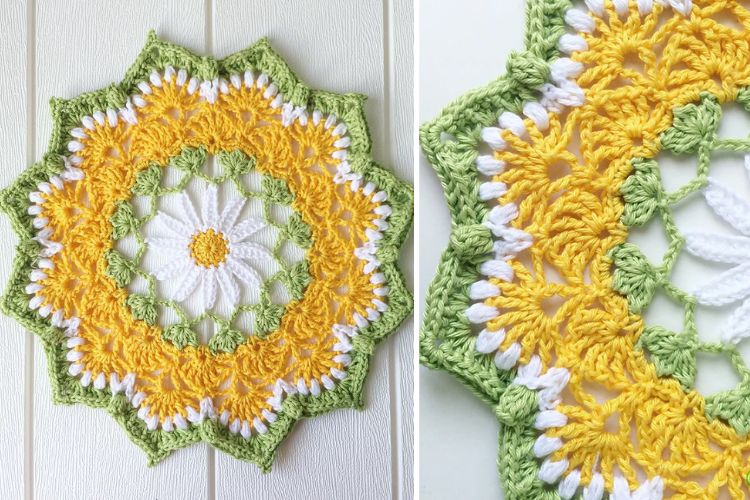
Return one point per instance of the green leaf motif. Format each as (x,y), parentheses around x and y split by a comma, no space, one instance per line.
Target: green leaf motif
(298,279)
(693,125)
(181,335)
(634,276)
(190,160)
(226,340)
(642,193)
(118,268)
(143,307)
(148,181)
(298,231)
(268,319)
(276,190)
(673,354)
(235,162)
(123,220)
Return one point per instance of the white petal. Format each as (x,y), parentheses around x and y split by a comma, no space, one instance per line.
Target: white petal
(189,211)
(181,245)
(168,224)
(245,273)
(718,247)
(209,289)
(188,284)
(210,210)
(172,269)
(729,206)
(247,227)
(737,326)
(228,285)
(230,213)
(730,286)
(252,251)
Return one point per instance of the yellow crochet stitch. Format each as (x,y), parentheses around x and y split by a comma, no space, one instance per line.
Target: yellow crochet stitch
(566,182)
(171,378)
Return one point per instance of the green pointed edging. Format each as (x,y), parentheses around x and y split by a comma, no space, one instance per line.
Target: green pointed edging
(156,55)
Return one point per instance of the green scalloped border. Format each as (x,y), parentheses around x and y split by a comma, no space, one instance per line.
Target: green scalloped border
(451,144)
(157,54)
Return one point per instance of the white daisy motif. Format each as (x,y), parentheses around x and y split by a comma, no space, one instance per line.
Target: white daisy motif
(732,285)
(208,248)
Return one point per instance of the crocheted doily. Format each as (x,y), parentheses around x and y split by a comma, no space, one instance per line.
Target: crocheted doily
(208,251)
(540,301)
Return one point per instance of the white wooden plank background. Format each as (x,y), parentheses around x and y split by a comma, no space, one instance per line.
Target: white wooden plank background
(73,46)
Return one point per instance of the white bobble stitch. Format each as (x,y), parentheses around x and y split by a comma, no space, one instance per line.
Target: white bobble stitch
(596,7)
(193,85)
(549,419)
(144,88)
(493,137)
(259,425)
(75,369)
(169,73)
(645,6)
(167,424)
(269,416)
(181,77)
(224,418)
(315,388)
(682,6)
(545,445)
(492,190)
(36,302)
(550,471)
(180,422)
(569,44)
(483,289)
(595,489)
(262,81)
(139,101)
(621,490)
(316,117)
(569,485)
(155,79)
(579,21)
(481,313)
(100,382)
(327,382)
(512,122)
(537,114)
(563,69)
(340,129)
(234,427)
(86,378)
(99,117)
(138,399)
(74,356)
(497,269)
(249,78)
(88,122)
(245,430)
(489,341)
(75,146)
(508,359)
(112,117)
(621,7)
(79,133)
(489,165)
(270,91)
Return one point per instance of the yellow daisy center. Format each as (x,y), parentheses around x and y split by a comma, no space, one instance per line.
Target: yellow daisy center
(209,248)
